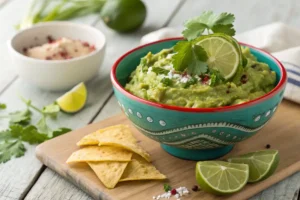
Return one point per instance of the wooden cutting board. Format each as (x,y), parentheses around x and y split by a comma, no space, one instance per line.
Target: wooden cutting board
(282,133)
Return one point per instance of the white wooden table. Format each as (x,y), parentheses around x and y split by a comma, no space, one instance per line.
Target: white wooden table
(26,177)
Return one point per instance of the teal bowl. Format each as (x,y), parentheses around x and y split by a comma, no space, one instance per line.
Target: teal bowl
(195,133)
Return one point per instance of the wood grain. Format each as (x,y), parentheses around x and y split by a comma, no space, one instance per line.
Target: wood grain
(101,88)
(280,133)
(15,181)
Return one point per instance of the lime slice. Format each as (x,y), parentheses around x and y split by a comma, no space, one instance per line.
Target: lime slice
(223,54)
(74,100)
(262,164)
(221,178)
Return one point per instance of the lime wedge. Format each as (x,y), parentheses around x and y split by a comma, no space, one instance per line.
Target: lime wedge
(221,178)
(224,54)
(74,100)
(262,164)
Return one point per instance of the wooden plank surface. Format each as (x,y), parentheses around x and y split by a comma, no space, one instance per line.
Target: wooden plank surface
(14,186)
(54,154)
(281,10)
(117,44)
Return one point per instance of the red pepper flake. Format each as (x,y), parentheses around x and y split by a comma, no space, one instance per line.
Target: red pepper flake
(173,191)
(86,44)
(244,79)
(205,79)
(93,48)
(48,58)
(195,188)
(25,49)
(63,54)
(50,39)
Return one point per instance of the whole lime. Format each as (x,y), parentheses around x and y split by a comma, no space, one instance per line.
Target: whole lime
(123,15)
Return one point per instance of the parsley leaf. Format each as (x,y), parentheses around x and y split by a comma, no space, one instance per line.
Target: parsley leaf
(11,148)
(209,21)
(2,106)
(167,187)
(159,70)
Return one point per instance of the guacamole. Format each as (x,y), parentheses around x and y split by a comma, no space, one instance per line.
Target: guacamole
(156,80)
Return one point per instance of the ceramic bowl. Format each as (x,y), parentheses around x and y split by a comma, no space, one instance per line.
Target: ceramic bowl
(195,133)
(57,74)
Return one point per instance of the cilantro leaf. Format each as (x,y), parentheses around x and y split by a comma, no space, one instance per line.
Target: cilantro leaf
(31,135)
(11,148)
(42,126)
(4,135)
(215,78)
(51,110)
(190,82)
(20,117)
(16,130)
(167,187)
(221,28)
(2,106)
(198,65)
(209,21)
(167,81)
(159,70)
(193,30)
(60,131)
(183,55)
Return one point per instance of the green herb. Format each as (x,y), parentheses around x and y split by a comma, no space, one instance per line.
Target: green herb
(167,187)
(167,81)
(2,106)
(191,57)
(47,10)
(190,82)
(159,70)
(210,22)
(215,78)
(20,130)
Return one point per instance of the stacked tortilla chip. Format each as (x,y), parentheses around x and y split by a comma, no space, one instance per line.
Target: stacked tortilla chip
(114,155)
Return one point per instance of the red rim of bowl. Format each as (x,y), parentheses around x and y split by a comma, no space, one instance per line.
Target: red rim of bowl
(277,88)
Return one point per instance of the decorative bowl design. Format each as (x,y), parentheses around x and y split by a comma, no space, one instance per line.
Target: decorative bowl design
(195,133)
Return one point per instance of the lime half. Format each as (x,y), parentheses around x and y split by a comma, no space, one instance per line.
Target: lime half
(74,100)
(223,54)
(262,164)
(221,178)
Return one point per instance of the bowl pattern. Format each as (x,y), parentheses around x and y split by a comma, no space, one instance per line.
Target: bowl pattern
(195,134)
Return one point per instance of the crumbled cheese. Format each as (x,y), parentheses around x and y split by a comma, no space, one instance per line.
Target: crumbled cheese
(149,70)
(169,67)
(181,191)
(170,55)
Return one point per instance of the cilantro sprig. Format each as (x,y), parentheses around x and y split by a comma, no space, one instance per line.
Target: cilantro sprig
(21,130)
(211,23)
(191,57)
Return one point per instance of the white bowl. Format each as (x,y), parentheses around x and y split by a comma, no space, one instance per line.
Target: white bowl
(57,74)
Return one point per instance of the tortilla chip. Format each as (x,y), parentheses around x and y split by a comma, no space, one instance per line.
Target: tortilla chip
(108,172)
(100,153)
(120,131)
(138,169)
(126,145)
(119,135)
